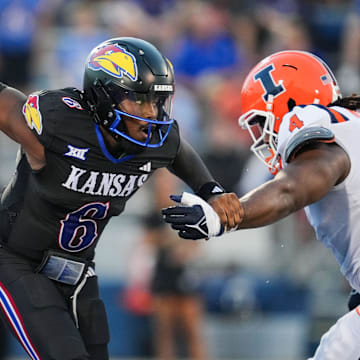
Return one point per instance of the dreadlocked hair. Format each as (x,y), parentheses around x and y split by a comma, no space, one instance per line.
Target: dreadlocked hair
(350,102)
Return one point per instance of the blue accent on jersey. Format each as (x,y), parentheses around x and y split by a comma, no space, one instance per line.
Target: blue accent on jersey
(332,117)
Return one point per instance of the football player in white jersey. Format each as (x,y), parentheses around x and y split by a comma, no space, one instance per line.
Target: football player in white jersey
(308,137)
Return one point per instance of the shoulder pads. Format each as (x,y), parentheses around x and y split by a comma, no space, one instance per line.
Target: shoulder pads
(305,137)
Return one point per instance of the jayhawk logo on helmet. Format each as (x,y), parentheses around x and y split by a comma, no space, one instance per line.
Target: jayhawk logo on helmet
(273,87)
(115,61)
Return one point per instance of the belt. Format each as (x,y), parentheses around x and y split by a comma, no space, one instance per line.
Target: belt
(63,268)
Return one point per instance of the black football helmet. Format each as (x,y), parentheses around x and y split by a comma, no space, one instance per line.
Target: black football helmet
(129,68)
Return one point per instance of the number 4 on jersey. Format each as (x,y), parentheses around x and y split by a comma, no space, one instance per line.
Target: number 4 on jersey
(295,123)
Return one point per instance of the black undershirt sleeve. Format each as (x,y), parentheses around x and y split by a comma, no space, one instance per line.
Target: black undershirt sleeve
(189,167)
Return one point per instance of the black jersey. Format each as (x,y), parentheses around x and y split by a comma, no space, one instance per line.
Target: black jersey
(68,203)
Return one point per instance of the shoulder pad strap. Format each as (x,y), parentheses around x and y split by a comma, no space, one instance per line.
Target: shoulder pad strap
(305,137)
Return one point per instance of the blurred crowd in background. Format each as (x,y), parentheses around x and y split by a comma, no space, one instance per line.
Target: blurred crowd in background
(237,292)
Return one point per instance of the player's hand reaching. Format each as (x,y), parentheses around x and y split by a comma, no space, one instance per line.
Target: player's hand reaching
(229,209)
(197,219)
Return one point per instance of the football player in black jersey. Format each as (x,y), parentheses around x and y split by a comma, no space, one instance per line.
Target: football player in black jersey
(83,154)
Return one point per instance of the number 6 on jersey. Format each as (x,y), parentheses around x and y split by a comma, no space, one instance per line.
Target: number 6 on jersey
(78,230)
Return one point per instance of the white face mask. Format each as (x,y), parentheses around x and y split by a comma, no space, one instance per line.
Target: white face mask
(263,136)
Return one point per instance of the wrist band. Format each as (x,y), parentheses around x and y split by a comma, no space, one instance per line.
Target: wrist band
(210,189)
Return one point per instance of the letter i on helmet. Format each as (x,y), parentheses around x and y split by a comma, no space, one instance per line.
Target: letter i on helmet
(273,87)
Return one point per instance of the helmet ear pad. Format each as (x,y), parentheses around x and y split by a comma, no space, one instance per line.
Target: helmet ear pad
(102,104)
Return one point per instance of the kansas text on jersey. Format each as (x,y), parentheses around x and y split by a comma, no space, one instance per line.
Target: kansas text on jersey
(67,204)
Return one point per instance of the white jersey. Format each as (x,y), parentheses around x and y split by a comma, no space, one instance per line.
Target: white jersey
(336,217)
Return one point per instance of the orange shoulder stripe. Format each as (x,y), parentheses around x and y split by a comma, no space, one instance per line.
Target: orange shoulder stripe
(339,117)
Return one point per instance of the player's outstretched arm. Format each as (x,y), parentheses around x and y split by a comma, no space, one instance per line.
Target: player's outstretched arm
(308,178)
(189,167)
(13,124)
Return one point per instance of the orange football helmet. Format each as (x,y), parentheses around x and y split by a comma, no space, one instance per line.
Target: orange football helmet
(273,87)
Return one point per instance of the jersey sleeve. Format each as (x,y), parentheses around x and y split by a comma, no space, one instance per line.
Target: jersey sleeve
(39,115)
(302,126)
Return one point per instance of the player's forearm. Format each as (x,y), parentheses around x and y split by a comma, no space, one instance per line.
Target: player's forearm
(267,204)
(306,180)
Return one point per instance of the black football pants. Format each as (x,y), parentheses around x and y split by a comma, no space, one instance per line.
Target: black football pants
(39,313)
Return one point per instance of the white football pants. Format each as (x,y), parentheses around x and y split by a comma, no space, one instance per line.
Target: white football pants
(342,341)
